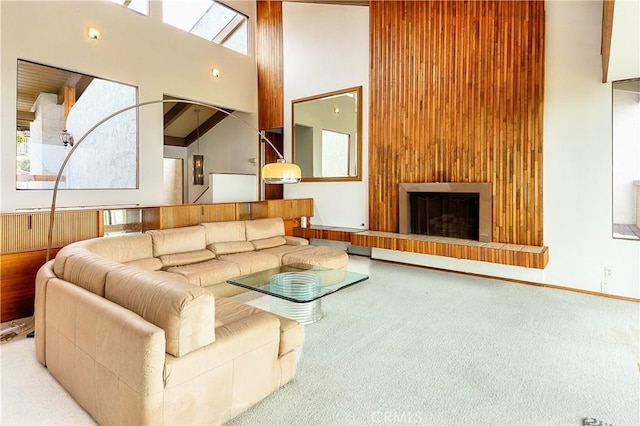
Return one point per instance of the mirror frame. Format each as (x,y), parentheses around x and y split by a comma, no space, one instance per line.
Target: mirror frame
(358,175)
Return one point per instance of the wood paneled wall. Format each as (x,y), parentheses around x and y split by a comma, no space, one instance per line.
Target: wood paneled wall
(273,191)
(456,95)
(269,56)
(269,52)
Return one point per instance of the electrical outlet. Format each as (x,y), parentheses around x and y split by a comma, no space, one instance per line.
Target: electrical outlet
(604,287)
(608,272)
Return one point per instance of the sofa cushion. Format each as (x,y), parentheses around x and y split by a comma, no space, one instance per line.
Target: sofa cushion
(87,270)
(282,250)
(218,232)
(178,240)
(230,247)
(185,312)
(252,262)
(266,243)
(296,241)
(259,229)
(186,258)
(229,311)
(324,256)
(122,248)
(207,273)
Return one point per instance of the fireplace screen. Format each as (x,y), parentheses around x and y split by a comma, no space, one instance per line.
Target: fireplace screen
(454,215)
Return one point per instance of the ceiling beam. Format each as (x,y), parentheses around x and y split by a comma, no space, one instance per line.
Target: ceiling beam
(206,126)
(26,116)
(174,141)
(174,113)
(607,29)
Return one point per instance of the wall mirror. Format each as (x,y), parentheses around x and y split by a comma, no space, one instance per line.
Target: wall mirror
(327,136)
(626,159)
(50,100)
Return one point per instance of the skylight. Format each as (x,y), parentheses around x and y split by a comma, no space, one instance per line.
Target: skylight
(140,6)
(210,20)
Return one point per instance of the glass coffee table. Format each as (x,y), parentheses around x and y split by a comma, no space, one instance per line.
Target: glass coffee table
(297,289)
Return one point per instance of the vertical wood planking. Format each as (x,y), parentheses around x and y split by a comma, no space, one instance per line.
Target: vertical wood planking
(269,57)
(269,53)
(456,92)
(30,231)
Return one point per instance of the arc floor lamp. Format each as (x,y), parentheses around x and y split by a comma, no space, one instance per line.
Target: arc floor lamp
(279,172)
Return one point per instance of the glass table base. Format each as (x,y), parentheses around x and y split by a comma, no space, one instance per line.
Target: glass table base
(304,313)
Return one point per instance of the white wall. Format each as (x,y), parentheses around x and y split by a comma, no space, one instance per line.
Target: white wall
(624,62)
(577,139)
(133,49)
(326,48)
(227,148)
(578,154)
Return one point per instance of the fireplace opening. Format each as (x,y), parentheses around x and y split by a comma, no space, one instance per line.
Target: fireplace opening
(463,209)
(443,214)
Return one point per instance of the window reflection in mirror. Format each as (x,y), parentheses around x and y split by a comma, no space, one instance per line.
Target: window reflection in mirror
(50,100)
(327,135)
(626,159)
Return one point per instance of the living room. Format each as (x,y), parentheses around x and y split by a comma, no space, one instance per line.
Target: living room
(327,48)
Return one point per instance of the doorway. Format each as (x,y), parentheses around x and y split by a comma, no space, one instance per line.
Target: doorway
(173,192)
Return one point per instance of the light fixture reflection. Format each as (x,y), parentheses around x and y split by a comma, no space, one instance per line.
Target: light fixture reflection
(93,33)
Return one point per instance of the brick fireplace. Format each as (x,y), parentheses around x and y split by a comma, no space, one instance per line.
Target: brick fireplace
(455,210)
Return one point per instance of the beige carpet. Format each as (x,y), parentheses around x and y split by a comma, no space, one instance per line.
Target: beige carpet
(415,346)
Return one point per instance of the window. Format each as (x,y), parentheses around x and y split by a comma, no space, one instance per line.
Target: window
(140,6)
(210,20)
(51,100)
(335,153)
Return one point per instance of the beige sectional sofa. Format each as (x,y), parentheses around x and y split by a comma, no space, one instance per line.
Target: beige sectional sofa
(137,327)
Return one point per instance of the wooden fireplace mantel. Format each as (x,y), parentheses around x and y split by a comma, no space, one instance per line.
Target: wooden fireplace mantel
(505,254)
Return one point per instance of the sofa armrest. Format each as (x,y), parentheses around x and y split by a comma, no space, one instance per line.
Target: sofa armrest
(107,357)
(185,312)
(44,275)
(296,241)
(233,341)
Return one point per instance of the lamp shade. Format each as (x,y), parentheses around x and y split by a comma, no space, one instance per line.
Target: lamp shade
(281,172)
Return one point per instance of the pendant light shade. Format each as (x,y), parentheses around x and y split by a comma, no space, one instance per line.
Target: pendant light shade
(281,172)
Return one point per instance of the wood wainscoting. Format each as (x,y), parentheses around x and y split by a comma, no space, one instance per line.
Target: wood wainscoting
(23,237)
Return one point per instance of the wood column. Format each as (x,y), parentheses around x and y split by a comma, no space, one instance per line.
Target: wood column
(269,53)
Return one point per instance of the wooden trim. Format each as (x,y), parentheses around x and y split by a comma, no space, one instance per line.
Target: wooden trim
(607,30)
(513,280)
(332,233)
(358,175)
